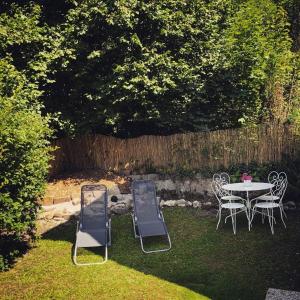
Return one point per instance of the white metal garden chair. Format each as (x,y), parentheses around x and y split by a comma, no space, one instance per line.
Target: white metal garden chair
(226,200)
(272,200)
(278,191)
(224,178)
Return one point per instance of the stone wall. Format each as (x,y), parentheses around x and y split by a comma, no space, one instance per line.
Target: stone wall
(195,193)
(198,188)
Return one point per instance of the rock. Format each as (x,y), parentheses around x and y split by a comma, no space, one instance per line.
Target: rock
(49,215)
(196,204)
(181,202)
(136,177)
(48,208)
(126,197)
(46,201)
(110,204)
(67,217)
(76,201)
(67,213)
(75,209)
(277,294)
(165,185)
(153,177)
(186,186)
(119,209)
(127,205)
(114,190)
(58,219)
(58,214)
(162,202)
(290,204)
(189,203)
(207,205)
(202,186)
(170,203)
(61,199)
(128,202)
(114,198)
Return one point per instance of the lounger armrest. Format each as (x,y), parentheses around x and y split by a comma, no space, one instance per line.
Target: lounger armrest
(161,216)
(134,216)
(108,223)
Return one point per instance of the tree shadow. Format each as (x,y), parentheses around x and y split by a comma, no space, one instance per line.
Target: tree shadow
(209,262)
(11,249)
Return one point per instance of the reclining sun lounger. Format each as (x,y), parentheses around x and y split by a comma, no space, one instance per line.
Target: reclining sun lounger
(147,218)
(94,226)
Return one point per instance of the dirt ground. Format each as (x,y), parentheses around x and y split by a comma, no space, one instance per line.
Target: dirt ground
(67,186)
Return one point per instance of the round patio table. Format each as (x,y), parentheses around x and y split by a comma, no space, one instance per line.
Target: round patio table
(248,187)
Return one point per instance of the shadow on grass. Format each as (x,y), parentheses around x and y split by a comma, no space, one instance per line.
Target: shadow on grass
(11,249)
(214,263)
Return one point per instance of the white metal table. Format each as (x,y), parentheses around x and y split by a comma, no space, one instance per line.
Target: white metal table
(248,187)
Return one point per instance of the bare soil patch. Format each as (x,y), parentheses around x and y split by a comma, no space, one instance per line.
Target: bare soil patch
(66,187)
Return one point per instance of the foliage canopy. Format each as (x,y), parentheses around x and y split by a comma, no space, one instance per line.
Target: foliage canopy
(24,145)
(128,68)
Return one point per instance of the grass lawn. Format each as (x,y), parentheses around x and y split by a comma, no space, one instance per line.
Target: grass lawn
(203,263)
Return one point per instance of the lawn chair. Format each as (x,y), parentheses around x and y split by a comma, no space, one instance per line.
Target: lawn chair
(232,203)
(94,226)
(147,218)
(268,202)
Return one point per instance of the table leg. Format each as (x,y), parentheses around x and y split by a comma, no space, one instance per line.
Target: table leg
(248,210)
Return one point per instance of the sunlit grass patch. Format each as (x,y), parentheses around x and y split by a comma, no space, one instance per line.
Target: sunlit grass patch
(202,262)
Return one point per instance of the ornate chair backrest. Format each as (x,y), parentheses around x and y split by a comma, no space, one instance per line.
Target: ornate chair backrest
(280,183)
(219,179)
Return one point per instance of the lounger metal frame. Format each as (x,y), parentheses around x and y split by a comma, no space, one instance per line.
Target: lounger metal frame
(136,235)
(108,228)
(160,216)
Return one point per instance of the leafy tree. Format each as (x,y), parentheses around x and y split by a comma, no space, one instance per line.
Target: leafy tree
(257,66)
(135,67)
(24,133)
(292,8)
(139,67)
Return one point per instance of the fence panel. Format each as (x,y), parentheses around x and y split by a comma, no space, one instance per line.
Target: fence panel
(199,150)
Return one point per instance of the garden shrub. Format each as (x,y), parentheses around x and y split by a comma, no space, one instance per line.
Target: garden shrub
(129,68)
(138,67)
(24,160)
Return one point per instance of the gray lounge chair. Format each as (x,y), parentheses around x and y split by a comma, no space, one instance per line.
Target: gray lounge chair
(94,226)
(147,218)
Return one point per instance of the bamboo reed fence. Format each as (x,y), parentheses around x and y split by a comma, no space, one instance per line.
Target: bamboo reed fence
(201,150)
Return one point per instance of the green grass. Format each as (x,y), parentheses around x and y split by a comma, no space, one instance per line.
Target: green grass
(203,263)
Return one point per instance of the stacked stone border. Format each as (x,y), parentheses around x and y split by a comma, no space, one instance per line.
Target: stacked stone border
(194,193)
